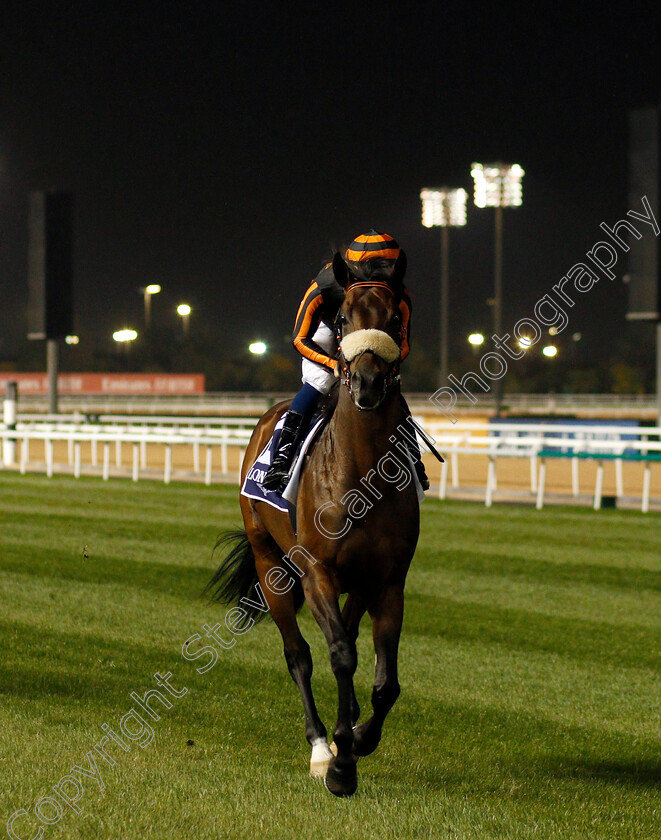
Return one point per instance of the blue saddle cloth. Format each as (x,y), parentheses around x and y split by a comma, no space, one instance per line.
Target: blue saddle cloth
(252,486)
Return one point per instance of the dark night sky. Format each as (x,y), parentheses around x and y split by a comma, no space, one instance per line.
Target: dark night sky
(223,149)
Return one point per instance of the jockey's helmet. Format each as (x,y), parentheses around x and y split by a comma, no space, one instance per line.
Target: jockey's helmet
(372,245)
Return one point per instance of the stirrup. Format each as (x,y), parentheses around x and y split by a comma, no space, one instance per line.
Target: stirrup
(276,477)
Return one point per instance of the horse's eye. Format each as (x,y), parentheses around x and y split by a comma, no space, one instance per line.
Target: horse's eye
(343,318)
(396,321)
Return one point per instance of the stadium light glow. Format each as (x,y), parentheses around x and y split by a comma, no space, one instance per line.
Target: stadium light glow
(148,291)
(257,348)
(497,184)
(71,339)
(550,351)
(443,207)
(525,342)
(476,339)
(125,335)
(184,310)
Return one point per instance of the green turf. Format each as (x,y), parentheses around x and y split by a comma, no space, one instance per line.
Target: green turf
(530,671)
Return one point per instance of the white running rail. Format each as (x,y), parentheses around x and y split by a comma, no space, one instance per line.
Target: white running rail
(206,438)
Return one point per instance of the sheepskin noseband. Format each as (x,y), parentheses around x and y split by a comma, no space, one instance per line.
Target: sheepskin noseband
(378,341)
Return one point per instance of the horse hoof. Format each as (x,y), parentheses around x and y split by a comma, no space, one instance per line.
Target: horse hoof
(318,769)
(341,781)
(320,759)
(364,741)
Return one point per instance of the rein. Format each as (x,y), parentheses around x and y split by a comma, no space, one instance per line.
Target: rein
(366,285)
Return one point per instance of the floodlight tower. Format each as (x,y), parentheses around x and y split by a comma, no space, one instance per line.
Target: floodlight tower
(184,310)
(148,291)
(498,185)
(445,208)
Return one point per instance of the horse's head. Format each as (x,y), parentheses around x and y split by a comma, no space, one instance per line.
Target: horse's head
(369,327)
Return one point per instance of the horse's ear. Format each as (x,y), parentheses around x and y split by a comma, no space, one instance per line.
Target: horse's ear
(399,269)
(341,271)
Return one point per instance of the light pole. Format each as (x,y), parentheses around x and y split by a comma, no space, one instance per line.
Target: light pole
(445,208)
(184,310)
(498,185)
(148,291)
(124,338)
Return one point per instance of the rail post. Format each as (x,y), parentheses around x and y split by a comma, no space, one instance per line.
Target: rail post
(10,412)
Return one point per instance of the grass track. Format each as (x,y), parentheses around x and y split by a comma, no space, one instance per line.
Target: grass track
(530,671)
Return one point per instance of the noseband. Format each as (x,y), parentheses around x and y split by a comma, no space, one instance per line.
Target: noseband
(382,346)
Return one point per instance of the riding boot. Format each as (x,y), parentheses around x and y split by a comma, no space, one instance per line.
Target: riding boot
(276,477)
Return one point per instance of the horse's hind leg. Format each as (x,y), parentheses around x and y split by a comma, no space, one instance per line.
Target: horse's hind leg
(299,660)
(386,628)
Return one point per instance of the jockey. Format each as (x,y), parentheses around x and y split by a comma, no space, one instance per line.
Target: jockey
(315,339)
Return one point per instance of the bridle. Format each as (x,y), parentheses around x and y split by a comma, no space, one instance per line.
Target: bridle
(345,372)
(392,376)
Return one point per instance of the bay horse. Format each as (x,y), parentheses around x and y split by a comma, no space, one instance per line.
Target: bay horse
(357,526)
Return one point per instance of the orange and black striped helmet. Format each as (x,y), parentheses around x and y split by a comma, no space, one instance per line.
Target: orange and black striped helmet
(372,245)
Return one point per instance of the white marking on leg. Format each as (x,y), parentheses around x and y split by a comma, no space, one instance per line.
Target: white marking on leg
(320,758)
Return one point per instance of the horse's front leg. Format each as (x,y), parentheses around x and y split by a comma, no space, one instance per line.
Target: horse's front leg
(386,627)
(297,655)
(341,778)
(352,612)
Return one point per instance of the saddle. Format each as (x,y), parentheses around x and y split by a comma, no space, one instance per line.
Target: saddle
(252,486)
(286,501)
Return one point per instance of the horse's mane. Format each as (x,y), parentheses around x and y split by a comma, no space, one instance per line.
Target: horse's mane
(381,271)
(376,270)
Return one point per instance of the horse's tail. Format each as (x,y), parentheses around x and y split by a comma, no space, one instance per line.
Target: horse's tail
(236,577)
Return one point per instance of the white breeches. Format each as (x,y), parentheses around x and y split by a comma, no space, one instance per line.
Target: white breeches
(315,374)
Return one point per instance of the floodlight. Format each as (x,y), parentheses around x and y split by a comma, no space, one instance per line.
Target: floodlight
(443,207)
(125,335)
(497,184)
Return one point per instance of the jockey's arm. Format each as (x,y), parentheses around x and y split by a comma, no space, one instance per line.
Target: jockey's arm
(307,321)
